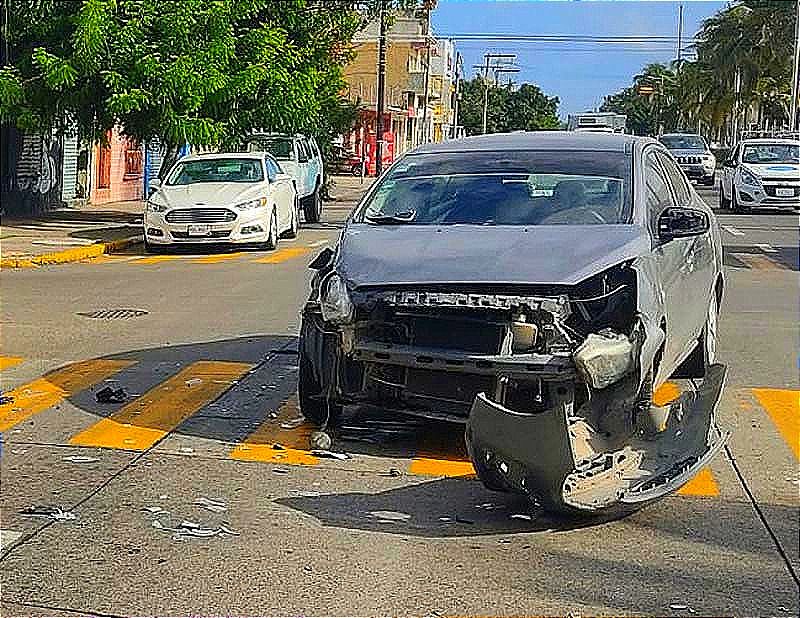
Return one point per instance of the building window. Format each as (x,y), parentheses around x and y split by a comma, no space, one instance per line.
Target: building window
(133,159)
(104,163)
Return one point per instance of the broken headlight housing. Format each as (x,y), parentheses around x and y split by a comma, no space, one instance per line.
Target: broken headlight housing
(335,302)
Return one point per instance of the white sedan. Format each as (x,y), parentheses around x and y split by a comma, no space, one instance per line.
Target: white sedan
(761,173)
(240,198)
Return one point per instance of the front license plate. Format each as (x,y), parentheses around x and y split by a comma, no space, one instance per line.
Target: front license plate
(784,192)
(199,230)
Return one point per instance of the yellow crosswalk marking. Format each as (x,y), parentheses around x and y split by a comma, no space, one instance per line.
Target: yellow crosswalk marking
(441,452)
(427,466)
(282,255)
(54,387)
(783,407)
(221,257)
(147,419)
(7,362)
(156,259)
(703,484)
(293,443)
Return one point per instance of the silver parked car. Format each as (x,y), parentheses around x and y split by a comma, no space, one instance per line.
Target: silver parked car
(539,287)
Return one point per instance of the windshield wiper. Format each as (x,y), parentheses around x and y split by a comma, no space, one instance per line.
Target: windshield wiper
(398,218)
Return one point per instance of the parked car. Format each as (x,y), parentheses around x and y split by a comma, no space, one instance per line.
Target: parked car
(345,162)
(693,155)
(761,173)
(222,198)
(538,287)
(299,157)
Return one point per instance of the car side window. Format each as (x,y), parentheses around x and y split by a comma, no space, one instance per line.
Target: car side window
(675,178)
(657,193)
(272,169)
(302,151)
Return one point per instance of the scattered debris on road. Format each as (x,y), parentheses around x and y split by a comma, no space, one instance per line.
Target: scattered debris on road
(5,399)
(389,516)
(320,440)
(330,454)
(190,528)
(155,510)
(215,506)
(393,472)
(280,471)
(80,459)
(51,512)
(111,395)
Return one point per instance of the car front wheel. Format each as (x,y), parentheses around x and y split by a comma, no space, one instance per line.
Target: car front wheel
(311,206)
(724,203)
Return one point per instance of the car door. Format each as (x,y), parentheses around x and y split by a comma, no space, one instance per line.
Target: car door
(304,166)
(670,259)
(728,170)
(281,193)
(699,266)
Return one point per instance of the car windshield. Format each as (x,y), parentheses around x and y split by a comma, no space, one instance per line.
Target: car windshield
(216,170)
(504,188)
(771,153)
(278,147)
(683,142)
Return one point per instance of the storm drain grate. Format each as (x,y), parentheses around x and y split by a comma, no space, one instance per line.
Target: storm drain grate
(113,314)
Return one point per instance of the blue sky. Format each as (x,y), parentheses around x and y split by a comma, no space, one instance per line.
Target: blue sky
(579,74)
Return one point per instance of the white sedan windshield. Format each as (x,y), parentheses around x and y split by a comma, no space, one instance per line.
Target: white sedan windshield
(216,170)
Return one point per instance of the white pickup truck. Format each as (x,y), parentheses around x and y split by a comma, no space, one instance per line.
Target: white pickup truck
(298,156)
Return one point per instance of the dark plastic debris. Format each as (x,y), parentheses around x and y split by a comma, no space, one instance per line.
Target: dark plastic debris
(111,395)
(4,399)
(51,512)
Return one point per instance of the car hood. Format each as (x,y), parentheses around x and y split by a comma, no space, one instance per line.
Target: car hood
(205,194)
(371,255)
(773,170)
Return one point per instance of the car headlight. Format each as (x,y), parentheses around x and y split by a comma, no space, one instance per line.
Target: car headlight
(155,206)
(749,178)
(336,305)
(262,201)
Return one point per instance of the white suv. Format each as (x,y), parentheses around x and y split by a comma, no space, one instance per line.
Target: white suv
(299,156)
(761,173)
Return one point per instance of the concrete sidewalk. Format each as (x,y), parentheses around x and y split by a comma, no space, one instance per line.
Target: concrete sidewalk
(69,235)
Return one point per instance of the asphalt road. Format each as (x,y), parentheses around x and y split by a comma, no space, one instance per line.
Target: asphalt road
(208,368)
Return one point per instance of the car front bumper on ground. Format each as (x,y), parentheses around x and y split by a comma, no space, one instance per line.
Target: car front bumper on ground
(534,424)
(212,225)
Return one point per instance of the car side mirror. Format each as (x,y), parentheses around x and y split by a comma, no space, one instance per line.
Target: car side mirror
(153,185)
(682,223)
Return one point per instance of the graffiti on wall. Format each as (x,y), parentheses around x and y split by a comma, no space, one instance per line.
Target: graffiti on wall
(33,182)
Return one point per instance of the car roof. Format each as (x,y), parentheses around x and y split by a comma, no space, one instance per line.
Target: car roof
(536,140)
(681,135)
(771,140)
(284,135)
(224,155)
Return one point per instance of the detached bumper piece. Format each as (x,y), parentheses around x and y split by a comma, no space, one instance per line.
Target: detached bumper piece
(569,461)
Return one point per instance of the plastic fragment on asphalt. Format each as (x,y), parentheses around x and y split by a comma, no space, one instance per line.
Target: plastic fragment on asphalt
(445,519)
(293,423)
(186,449)
(155,510)
(193,382)
(489,506)
(390,515)
(52,512)
(301,493)
(680,607)
(278,447)
(280,471)
(521,516)
(330,454)
(111,395)
(81,459)
(393,472)
(463,520)
(215,506)
(190,528)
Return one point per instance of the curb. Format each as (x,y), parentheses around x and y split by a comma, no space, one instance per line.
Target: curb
(72,255)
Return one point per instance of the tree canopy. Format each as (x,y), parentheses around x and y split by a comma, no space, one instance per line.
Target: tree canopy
(524,108)
(196,71)
(754,38)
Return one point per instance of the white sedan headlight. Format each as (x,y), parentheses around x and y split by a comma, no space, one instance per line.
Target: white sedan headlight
(336,305)
(262,201)
(155,206)
(749,178)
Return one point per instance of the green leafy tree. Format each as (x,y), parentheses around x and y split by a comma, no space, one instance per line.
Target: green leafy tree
(525,108)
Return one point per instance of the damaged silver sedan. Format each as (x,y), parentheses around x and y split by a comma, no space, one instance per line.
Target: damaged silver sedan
(538,287)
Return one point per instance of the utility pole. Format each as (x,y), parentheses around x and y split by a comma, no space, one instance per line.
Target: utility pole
(381,88)
(793,122)
(457,94)
(497,68)
(427,74)
(680,34)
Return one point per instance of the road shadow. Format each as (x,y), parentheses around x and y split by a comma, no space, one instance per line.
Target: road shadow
(780,256)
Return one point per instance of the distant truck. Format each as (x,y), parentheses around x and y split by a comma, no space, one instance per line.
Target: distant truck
(600,122)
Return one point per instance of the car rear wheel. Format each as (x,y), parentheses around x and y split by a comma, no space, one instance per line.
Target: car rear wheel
(312,206)
(724,203)
(736,206)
